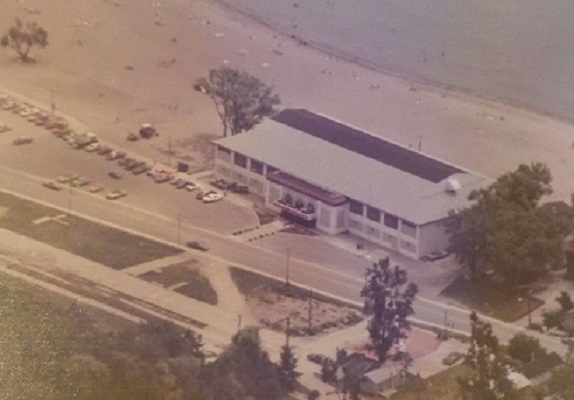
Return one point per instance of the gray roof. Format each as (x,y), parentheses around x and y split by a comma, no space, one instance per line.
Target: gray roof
(361,178)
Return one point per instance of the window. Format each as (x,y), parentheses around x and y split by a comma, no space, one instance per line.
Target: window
(355,207)
(257,167)
(271,169)
(408,228)
(240,160)
(391,221)
(373,214)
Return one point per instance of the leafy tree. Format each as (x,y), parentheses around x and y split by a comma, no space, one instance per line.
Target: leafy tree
(241,100)
(389,302)
(288,368)
(490,380)
(524,348)
(22,37)
(561,384)
(242,371)
(565,301)
(552,319)
(507,215)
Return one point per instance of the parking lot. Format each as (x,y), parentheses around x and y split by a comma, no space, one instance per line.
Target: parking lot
(49,157)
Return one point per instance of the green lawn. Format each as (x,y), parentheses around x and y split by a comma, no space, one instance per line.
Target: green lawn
(102,244)
(495,300)
(197,286)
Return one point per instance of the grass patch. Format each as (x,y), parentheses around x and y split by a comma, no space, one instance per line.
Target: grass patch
(197,286)
(265,217)
(99,243)
(24,292)
(493,299)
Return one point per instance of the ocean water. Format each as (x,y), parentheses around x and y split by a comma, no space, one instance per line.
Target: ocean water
(516,51)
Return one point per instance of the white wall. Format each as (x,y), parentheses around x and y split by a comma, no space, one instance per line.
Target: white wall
(432,237)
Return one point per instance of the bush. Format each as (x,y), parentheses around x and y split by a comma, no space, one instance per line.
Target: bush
(524,348)
(552,319)
(565,301)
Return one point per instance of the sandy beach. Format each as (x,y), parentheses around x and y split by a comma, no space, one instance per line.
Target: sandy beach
(114,64)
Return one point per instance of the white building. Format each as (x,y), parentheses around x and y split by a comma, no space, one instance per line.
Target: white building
(336,178)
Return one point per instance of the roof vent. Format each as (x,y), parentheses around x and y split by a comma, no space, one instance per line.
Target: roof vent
(452,186)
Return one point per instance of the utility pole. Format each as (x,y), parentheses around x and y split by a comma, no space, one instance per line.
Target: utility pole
(169,150)
(178,230)
(70,197)
(445,325)
(310,310)
(52,101)
(420,142)
(238,323)
(287,268)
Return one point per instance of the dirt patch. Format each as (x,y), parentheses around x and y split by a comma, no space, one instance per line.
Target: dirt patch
(197,151)
(418,344)
(271,302)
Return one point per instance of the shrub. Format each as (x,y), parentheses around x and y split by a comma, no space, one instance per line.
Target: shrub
(552,319)
(524,348)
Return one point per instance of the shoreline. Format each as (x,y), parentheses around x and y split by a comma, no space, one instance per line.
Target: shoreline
(429,85)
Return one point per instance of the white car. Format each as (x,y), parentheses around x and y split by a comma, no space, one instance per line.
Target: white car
(212,197)
(116,194)
(191,187)
(92,147)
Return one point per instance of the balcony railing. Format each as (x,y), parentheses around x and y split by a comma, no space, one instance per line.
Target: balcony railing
(300,213)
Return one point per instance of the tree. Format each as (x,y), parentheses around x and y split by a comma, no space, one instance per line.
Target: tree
(490,380)
(561,384)
(524,348)
(287,368)
(507,215)
(242,371)
(565,301)
(241,100)
(22,37)
(390,304)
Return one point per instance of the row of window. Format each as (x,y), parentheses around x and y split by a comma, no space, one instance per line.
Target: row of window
(375,214)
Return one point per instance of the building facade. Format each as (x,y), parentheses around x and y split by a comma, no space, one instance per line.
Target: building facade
(332,177)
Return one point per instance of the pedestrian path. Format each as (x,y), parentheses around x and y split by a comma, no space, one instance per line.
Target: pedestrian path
(141,269)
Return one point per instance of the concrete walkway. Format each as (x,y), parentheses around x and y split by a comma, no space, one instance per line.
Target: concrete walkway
(141,269)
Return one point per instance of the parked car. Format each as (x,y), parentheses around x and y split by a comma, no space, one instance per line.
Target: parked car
(96,187)
(175,181)
(92,147)
(212,197)
(197,245)
(116,194)
(452,358)
(80,182)
(115,175)
(115,155)
(141,169)
(436,255)
(66,178)
(124,161)
(181,184)
(104,150)
(163,177)
(23,140)
(316,358)
(53,185)
(133,164)
(191,187)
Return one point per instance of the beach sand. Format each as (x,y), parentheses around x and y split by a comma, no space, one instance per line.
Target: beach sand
(114,64)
